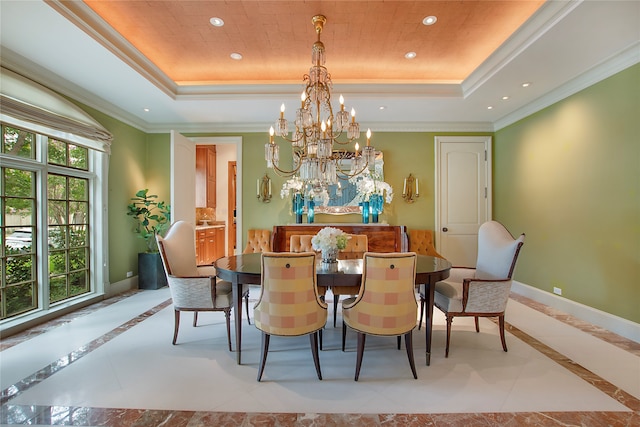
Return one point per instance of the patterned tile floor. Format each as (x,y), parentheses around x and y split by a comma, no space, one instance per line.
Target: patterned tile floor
(16,411)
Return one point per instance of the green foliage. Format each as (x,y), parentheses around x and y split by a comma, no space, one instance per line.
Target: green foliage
(152,217)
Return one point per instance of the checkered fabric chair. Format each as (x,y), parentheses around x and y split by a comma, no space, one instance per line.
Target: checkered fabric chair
(357,245)
(192,288)
(482,291)
(289,304)
(386,304)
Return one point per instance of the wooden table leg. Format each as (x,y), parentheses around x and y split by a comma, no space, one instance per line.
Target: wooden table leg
(428,324)
(237,298)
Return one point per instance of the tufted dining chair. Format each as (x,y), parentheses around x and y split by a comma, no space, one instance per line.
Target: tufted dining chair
(386,304)
(192,288)
(421,242)
(258,241)
(482,291)
(357,245)
(289,304)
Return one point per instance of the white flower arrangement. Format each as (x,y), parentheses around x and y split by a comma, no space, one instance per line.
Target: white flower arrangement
(293,184)
(329,238)
(368,185)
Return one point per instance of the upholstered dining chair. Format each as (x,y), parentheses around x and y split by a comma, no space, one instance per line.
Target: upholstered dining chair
(258,241)
(482,291)
(386,304)
(192,288)
(300,243)
(289,304)
(357,245)
(421,242)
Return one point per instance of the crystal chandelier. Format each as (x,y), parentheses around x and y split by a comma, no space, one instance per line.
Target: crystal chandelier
(317,131)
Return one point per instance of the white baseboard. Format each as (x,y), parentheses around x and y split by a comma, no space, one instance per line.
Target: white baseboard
(615,324)
(121,286)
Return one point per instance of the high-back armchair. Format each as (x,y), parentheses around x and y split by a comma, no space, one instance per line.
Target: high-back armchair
(421,242)
(289,304)
(482,291)
(386,304)
(190,289)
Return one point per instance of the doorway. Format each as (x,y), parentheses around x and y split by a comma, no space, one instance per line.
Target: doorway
(232,212)
(463,195)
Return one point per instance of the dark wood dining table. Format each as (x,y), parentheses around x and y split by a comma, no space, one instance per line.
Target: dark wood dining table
(245,270)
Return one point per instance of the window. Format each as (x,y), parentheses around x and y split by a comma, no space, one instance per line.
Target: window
(46,193)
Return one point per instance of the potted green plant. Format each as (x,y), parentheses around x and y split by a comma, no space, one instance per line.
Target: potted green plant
(151,217)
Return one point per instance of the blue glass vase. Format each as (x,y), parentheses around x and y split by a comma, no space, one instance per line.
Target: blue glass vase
(376,206)
(310,211)
(365,212)
(298,207)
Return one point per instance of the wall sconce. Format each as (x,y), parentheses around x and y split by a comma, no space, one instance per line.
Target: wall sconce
(410,191)
(263,189)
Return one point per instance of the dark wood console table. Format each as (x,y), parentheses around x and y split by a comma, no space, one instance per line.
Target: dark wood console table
(381,238)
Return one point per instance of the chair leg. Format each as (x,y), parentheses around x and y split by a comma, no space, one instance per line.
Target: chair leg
(265,350)
(361,339)
(422,302)
(336,298)
(313,338)
(399,341)
(176,325)
(408,342)
(195,318)
(246,305)
(227,315)
(477,324)
(501,323)
(320,336)
(344,335)
(449,320)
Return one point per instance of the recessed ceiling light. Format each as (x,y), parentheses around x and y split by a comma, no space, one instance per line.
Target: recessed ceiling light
(526,84)
(146,110)
(410,55)
(237,56)
(489,107)
(429,20)
(504,98)
(216,22)
(382,107)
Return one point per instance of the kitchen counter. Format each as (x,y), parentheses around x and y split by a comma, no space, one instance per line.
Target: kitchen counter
(211,224)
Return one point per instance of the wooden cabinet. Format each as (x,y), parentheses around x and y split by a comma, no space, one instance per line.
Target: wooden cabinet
(209,245)
(206,176)
(381,238)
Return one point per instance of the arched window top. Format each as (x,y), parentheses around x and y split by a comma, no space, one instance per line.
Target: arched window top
(41,108)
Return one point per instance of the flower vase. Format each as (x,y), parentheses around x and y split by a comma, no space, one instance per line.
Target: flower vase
(365,212)
(329,259)
(376,206)
(310,211)
(298,207)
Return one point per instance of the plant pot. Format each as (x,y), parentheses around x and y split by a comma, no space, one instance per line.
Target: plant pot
(151,271)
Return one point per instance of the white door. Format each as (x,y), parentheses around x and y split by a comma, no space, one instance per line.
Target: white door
(463,195)
(183,179)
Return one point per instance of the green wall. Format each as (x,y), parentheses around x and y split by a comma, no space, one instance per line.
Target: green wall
(569,176)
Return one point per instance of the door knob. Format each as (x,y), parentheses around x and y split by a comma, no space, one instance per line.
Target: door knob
(445,229)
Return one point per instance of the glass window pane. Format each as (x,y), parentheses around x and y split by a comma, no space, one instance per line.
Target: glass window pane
(78,212)
(56,187)
(78,157)
(57,152)
(57,288)
(19,212)
(78,259)
(57,262)
(78,189)
(20,298)
(19,183)
(78,282)
(19,240)
(57,212)
(57,237)
(78,237)
(20,269)
(17,142)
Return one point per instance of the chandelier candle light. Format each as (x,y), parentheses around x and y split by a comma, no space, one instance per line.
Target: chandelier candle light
(315,160)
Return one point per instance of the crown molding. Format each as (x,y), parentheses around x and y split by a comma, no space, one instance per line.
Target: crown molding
(612,65)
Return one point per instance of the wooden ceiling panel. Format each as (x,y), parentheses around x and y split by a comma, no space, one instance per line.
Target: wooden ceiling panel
(364,40)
